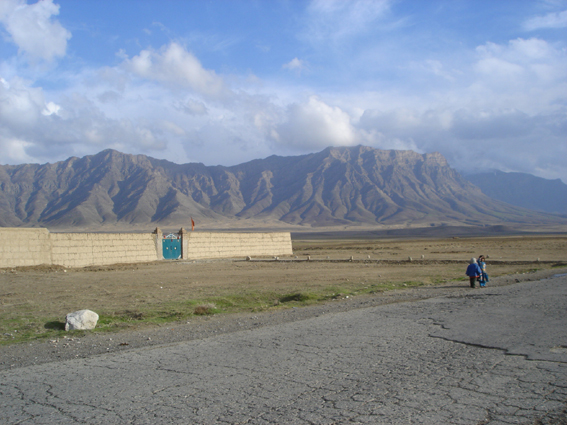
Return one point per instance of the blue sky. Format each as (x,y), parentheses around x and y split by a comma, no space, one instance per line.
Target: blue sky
(225,82)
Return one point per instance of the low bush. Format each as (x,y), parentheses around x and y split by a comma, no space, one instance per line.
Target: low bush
(204,309)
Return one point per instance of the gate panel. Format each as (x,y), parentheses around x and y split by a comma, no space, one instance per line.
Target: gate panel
(171,248)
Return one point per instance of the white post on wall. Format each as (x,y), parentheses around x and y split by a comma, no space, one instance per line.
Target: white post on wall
(159,243)
(184,243)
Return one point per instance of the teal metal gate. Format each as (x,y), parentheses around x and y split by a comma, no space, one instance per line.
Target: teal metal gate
(171,245)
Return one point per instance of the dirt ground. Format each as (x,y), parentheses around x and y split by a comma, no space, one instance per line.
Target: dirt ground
(54,291)
(41,296)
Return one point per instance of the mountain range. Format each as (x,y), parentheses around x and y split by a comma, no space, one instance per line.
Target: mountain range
(523,190)
(337,186)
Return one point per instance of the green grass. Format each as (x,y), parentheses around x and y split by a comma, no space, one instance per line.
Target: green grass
(26,323)
(30,327)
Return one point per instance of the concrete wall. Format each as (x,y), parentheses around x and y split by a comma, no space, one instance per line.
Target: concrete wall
(32,247)
(89,249)
(24,247)
(227,245)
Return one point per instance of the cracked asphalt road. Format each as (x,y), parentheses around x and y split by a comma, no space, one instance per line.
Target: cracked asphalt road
(485,356)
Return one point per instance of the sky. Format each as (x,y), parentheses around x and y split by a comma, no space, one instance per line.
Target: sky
(222,82)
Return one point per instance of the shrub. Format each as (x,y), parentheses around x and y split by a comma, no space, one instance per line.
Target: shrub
(204,309)
(294,297)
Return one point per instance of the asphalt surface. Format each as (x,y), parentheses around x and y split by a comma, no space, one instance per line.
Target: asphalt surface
(496,355)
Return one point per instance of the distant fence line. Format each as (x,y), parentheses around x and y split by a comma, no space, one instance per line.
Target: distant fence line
(394,262)
(37,246)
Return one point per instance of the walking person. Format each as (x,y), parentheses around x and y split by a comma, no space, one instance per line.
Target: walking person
(473,272)
(483,276)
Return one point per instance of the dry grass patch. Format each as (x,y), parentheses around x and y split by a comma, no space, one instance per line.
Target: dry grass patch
(205,309)
(34,301)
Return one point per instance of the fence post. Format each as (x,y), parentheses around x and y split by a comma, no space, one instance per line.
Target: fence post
(184,243)
(159,243)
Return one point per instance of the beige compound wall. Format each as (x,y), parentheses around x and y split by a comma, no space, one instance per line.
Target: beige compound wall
(24,247)
(90,249)
(198,245)
(33,247)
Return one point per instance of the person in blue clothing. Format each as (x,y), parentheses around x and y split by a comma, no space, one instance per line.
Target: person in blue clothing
(483,276)
(473,272)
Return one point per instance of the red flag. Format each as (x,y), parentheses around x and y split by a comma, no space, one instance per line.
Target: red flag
(192,224)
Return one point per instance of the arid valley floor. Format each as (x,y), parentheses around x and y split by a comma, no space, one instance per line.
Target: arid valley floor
(163,295)
(364,330)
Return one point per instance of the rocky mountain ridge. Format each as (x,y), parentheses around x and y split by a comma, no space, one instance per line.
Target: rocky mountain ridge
(337,186)
(523,190)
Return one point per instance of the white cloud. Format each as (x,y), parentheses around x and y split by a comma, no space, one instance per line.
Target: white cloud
(32,28)
(50,109)
(14,150)
(295,65)
(173,128)
(314,125)
(175,66)
(551,20)
(505,108)
(527,75)
(496,68)
(192,107)
(521,51)
(20,105)
(501,105)
(436,67)
(31,127)
(336,20)
(109,96)
(490,125)
(112,107)
(473,139)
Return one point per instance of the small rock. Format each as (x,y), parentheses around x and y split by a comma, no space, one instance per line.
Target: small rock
(81,320)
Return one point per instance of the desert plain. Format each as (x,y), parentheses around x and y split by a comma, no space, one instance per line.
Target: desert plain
(129,297)
(361,330)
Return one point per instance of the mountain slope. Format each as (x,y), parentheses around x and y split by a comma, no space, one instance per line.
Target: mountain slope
(523,190)
(336,186)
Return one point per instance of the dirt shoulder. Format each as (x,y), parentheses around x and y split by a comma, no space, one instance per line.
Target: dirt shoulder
(93,344)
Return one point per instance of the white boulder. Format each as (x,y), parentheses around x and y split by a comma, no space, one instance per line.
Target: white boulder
(81,320)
